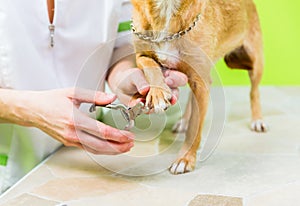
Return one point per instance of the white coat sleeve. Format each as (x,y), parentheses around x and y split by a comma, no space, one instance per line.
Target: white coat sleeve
(123,43)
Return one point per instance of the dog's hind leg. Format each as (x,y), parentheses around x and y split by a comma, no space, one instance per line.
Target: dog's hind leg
(255,75)
(249,56)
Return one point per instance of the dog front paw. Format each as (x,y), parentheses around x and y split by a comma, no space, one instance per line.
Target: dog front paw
(158,98)
(259,126)
(183,165)
(180,126)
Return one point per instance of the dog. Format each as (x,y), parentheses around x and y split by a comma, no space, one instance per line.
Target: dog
(190,36)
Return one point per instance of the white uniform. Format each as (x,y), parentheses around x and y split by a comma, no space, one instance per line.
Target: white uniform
(28,62)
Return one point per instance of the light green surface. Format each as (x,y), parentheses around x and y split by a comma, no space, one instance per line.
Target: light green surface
(280,22)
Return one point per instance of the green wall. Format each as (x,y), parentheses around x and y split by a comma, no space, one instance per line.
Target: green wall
(280,22)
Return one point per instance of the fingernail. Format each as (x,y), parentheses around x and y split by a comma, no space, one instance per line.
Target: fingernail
(129,146)
(111,96)
(136,101)
(169,82)
(130,136)
(144,90)
(167,73)
(173,100)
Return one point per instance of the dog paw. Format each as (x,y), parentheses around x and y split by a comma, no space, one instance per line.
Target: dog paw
(182,165)
(180,126)
(158,98)
(259,126)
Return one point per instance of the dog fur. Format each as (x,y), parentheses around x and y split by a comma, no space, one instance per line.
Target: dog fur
(227,29)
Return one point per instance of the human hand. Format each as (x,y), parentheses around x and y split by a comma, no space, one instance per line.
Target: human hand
(133,82)
(56,112)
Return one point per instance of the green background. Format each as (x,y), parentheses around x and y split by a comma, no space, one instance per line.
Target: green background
(280,22)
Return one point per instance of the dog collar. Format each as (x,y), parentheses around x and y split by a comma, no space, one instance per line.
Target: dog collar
(168,38)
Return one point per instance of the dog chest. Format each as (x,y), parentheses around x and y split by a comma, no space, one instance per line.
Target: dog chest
(167,55)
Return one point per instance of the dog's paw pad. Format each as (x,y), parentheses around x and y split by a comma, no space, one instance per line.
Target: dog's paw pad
(181,166)
(180,126)
(259,126)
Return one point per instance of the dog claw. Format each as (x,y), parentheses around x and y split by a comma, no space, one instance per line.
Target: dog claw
(162,104)
(181,166)
(159,99)
(159,110)
(259,126)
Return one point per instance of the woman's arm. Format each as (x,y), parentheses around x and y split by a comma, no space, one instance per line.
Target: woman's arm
(56,112)
(12,107)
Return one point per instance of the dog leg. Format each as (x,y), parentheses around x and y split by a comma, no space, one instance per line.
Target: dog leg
(159,95)
(249,56)
(181,125)
(255,45)
(243,59)
(257,124)
(187,156)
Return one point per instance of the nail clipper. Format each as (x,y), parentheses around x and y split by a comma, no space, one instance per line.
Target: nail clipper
(128,113)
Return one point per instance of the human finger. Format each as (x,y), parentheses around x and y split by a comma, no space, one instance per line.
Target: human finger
(140,82)
(175,79)
(97,145)
(80,95)
(175,96)
(101,130)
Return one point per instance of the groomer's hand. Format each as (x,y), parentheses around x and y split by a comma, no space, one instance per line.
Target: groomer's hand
(56,112)
(133,81)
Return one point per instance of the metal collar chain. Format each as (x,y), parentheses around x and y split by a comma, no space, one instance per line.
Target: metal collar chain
(168,38)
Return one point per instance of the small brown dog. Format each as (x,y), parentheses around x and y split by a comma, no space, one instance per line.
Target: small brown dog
(189,36)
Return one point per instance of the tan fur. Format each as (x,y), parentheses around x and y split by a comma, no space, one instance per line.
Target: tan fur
(227,28)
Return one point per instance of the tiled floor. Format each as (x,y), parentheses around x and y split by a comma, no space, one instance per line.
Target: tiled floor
(246,169)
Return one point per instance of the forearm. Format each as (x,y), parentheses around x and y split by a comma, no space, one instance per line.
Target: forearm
(13,107)
(56,112)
